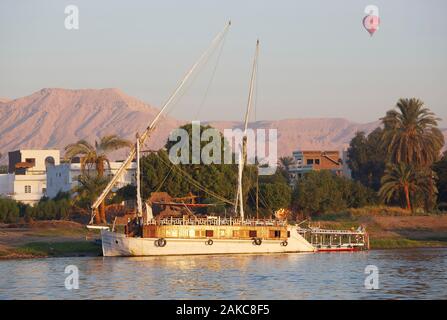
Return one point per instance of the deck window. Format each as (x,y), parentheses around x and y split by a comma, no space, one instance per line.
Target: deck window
(252,233)
(275,233)
(209,233)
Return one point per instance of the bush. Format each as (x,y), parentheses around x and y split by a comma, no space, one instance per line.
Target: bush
(320,192)
(9,210)
(379,211)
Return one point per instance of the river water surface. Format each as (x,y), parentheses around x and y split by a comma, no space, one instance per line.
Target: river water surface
(403,274)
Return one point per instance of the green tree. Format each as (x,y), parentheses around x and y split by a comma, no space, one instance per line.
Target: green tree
(88,190)
(411,134)
(405,183)
(128,192)
(320,192)
(284,165)
(317,193)
(158,173)
(440,168)
(274,193)
(9,210)
(367,158)
(96,156)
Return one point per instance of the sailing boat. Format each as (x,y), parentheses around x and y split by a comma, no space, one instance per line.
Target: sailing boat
(146,236)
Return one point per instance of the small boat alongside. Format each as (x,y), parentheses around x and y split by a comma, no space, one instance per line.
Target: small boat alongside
(324,240)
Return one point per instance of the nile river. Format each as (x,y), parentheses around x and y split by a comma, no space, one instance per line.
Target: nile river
(402,274)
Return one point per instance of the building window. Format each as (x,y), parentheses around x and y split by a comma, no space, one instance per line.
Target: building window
(30,160)
(317,161)
(49,161)
(310,161)
(27,189)
(44,190)
(252,233)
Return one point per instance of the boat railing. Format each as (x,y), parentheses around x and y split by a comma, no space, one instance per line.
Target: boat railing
(215,221)
(327,231)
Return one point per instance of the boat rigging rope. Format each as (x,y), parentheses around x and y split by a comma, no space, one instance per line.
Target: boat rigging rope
(200,66)
(164,179)
(194,182)
(212,77)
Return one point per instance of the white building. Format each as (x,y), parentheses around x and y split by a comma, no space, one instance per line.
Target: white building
(64,177)
(26,180)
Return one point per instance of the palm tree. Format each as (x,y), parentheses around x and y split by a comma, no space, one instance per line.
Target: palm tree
(286,162)
(411,134)
(402,179)
(88,189)
(96,156)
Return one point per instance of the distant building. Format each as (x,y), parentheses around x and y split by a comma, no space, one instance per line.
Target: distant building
(306,161)
(26,180)
(64,177)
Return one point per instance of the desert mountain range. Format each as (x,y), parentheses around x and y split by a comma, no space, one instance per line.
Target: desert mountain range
(53,118)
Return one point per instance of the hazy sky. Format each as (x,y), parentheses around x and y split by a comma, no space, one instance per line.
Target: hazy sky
(316,58)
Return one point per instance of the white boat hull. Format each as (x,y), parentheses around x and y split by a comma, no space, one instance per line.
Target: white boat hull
(117,244)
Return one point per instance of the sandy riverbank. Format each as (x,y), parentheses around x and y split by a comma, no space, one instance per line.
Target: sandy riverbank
(47,239)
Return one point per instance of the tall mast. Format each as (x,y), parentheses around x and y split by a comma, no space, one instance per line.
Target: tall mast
(154,122)
(137,176)
(257,191)
(243,147)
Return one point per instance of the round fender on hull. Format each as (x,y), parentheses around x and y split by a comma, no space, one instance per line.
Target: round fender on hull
(160,242)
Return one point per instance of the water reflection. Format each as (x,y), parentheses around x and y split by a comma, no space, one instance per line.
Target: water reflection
(404,274)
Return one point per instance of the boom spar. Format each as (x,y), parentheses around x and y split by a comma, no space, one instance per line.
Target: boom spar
(154,122)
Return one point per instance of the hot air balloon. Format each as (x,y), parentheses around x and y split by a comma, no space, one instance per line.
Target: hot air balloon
(371,23)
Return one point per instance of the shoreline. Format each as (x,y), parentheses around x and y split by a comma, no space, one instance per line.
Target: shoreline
(18,255)
(45,239)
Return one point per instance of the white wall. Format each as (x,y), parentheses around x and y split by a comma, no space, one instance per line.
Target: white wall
(40,156)
(36,182)
(58,179)
(6,185)
(64,177)
(14,185)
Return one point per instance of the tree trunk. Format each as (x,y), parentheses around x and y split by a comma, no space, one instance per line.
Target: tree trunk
(407,197)
(97,217)
(102,206)
(102,212)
